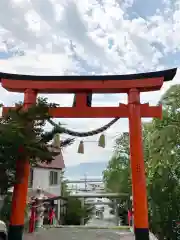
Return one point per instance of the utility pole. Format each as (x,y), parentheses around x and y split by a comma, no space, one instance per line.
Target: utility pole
(85,181)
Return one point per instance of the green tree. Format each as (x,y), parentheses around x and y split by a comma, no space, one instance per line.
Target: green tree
(162,160)
(75,212)
(22,136)
(64,186)
(163,170)
(6,209)
(117,176)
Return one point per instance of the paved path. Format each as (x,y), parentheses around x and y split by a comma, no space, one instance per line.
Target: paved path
(100,223)
(80,234)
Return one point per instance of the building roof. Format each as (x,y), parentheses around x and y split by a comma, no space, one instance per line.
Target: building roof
(57,163)
(33,193)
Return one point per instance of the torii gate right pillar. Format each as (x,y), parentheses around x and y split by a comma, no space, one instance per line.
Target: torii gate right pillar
(141,228)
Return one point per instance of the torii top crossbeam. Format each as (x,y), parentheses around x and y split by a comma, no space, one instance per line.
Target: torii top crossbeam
(92,84)
(83,86)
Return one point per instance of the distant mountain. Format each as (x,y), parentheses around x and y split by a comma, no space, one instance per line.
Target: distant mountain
(94,169)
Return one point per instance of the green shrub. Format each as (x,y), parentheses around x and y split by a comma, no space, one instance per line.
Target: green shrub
(5,211)
(75,212)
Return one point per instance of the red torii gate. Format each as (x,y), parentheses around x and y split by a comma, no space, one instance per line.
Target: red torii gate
(84,87)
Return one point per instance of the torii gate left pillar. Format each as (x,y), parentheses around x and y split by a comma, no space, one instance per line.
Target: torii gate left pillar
(133,85)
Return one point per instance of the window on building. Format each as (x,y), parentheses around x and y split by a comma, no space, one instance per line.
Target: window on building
(53,178)
(31,175)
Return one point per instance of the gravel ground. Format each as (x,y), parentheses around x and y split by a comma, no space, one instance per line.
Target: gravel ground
(79,234)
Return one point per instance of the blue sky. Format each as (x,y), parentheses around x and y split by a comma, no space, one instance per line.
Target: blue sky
(138,9)
(144,9)
(57,37)
(5,55)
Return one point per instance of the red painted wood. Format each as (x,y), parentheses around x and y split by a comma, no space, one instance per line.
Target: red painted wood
(19,198)
(137,161)
(98,86)
(81,99)
(100,112)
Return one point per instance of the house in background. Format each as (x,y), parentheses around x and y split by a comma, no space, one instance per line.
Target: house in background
(47,177)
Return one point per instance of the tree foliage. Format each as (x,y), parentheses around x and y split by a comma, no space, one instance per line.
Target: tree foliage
(164,166)
(22,137)
(75,212)
(64,186)
(162,160)
(5,211)
(116,176)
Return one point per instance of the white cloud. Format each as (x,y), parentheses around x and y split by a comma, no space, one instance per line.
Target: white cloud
(86,37)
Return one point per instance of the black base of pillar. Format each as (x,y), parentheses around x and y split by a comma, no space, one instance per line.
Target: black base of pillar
(15,232)
(141,233)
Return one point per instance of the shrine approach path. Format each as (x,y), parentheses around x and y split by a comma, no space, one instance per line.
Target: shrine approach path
(79,234)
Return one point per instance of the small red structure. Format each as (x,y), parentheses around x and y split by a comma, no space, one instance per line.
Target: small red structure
(83,86)
(129,217)
(32,219)
(51,215)
(34,204)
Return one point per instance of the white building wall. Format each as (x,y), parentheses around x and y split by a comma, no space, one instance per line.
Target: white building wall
(41,179)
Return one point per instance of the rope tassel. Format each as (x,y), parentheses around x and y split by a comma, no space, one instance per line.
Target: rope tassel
(56,141)
(101,142)
(81,147)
